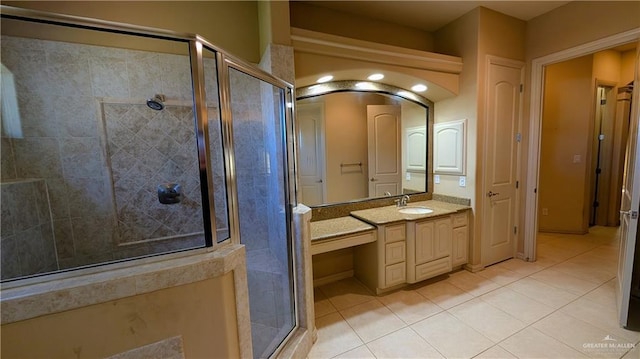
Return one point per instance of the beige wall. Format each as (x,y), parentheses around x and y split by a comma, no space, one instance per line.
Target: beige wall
(565,187)
(460,38)
(474,36)
(346,142)
(566,124)
(577,23)
(208,328)
(311,17)
(231,25)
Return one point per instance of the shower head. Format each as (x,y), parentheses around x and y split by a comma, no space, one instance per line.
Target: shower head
(156,102)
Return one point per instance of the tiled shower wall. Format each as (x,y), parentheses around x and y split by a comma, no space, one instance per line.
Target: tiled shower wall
(60,88)
(27,233)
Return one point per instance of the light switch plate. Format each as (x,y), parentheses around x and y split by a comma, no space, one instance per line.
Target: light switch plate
(436,179)
(462,182)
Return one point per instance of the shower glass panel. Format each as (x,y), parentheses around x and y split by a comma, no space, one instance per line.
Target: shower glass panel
(261,165)
(91,173)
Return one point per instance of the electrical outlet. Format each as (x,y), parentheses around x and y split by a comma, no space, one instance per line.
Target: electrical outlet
(462,181)
(577,158)
(436,179)
(545,211)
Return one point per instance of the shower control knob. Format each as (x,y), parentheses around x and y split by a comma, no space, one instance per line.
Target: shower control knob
(169,193)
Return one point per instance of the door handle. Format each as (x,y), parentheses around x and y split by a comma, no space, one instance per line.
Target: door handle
(373,179)
(491,194)
(319,181)
(633,214)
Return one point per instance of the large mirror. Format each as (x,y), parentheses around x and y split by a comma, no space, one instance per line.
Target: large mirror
(361,140)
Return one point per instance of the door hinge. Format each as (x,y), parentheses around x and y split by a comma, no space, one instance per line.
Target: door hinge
(518,137)
(517,184)
(603,101)
(521,87)
(515,230)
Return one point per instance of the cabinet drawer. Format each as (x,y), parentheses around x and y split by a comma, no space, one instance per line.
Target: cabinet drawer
(395,274)
(395,253)
(460,219)
(394,233)
(434,268)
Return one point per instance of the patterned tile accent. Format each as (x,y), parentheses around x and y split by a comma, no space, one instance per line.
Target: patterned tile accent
(147,148)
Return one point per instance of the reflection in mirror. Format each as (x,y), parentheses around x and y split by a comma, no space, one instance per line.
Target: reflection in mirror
(356,145)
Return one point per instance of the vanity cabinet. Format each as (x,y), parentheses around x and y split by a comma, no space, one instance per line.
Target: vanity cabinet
(460,241)
(429,248)
(411,250)
(382,265)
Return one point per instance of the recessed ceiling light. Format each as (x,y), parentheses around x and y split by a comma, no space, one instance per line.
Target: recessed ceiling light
(365,86)
(324,79)
(419,88)
(376,77)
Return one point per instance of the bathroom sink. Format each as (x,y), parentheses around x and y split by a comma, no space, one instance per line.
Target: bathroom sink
(415,210)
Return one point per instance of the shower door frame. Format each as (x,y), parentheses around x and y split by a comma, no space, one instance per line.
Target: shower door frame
(224,61)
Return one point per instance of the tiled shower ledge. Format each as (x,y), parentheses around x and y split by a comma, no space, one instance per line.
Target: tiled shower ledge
(34,297)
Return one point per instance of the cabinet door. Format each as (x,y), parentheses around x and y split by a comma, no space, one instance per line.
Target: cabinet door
(443,238)
(395,274)
(425,242)
(460,250)
(395,253)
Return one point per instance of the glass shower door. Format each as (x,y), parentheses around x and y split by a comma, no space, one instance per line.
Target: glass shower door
(258,129)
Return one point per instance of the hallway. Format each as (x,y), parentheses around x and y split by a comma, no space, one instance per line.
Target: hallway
(561,306)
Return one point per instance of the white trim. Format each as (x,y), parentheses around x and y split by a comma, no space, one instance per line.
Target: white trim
(535,123)
(337,46)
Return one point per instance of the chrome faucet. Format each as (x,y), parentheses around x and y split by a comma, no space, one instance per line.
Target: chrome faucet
(402,202)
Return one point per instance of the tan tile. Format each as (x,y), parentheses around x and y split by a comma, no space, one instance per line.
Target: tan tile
(410,306)
(490,321)
(361,352)
(565,281)
(591,273)
(404,343)
(322,305)
(633,353)
(500,275)
(495,352)
(444,294)
(601,316)
(518,305)
(531,343)
(346,293)
(604,294)
(542,292)
(451,336)
(372,320)
(472,283)
(578,334)
(335,336)
(522,267)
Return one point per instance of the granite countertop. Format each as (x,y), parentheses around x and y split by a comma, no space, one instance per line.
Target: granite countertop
(328,228)
(390,214)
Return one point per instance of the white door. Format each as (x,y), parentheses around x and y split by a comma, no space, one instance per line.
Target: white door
(310,136)
(385,162)
(630,204)
(499,207)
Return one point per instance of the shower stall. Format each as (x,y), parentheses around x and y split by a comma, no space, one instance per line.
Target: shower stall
(125,142)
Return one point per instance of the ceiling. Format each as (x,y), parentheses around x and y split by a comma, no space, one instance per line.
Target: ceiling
(431,15)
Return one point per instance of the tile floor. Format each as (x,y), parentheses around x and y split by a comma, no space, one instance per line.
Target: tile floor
(561,306)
